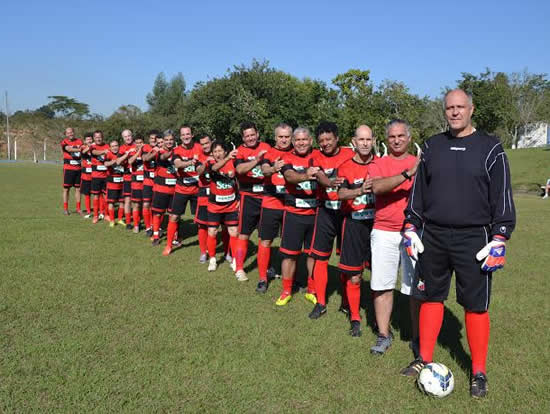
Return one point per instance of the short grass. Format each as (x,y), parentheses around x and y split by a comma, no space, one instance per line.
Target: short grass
(530,168)
(95,319)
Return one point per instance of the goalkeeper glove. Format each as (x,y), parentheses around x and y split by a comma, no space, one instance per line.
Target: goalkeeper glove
(494,254)
(412,242)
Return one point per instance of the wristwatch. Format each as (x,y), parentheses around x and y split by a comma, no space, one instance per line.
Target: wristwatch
(407,176)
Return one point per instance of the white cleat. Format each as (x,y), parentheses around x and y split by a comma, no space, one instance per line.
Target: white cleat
(212,264)
(234,265)
(241,276)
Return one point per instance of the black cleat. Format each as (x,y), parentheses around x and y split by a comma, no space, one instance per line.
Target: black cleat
(344,310)
(262,286)
(155,242)
(129,227)
(318,311)
(355,330)
(149,233)
(413,368)
(478,385)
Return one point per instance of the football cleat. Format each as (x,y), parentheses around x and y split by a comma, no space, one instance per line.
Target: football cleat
(112,224)
(129,226)
(355,330)
(234,265)
(167,250)
(212,264)
(66,213)
(310,296)
(414,368)
(228,258)
(149,232)
(203,259)
(283,299)
(176,243)
(318,311)
(121,222)
(241,276)
(383,343)
(155,242)
(136,229)
(95,220)
(87,216)
(478,385)
(262,286)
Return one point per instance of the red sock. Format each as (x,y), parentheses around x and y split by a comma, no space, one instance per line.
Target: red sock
(87,203)
(431,318)
(96,207)
(225,241)
(242,246)
(203,237)
(147,217)
(135,213)
(112,214)
(120,212)
(320,276)
(354,298)
(128,217)
(65,206)
(156,225)
(263,260)
(287,286)
(211,242)
(343,284)
(170,232)
(101,204)
(78,206)
(310,285)
(477,330)
(233,246)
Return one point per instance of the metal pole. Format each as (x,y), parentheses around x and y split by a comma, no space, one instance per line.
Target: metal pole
(8,126)
(44,150)
(15,148)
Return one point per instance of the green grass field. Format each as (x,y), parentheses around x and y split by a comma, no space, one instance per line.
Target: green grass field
(95,319)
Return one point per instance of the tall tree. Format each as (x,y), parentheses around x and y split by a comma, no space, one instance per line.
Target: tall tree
(167,97)
(68,107)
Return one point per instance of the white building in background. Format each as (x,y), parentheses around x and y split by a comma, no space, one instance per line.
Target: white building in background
(538,135)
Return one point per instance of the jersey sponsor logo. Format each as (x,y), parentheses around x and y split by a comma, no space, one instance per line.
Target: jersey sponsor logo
(225,198)
(458,148)
(358,181)
(307,185)
(256,172)
(306,202)
(221,185)
(502,229)
(257,188)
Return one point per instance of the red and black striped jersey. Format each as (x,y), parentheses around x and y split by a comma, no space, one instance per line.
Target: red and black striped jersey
(274,185)
(188,178)
(251,183)
(329,164)
(127,171)
(148,166)
(300,198)
(165,174)
(204,178)
(98,168)
(115,172)
(86,171)
(71,160)
(223,195)
(354,174)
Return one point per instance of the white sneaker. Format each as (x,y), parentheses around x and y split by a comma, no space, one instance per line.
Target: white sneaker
(545,196)
(212,264)
(234,265)
(87,216)
(241,276)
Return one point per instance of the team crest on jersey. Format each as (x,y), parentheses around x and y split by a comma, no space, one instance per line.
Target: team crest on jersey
(358,181)
(502,229)
(420,286)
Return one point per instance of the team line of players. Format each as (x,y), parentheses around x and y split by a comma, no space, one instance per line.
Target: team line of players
(310,197)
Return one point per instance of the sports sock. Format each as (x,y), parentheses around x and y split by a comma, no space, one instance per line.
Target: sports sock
(354,298)
(128,217)
(96,207)
(112,214)
(156,225)
(136,217)
(477,330)
(343,284)
(430,321)
(147,217)
(233,245)
(171,232)
(120,212)
(242,246)
(310,285)
(87,203)
(211,242)
(101,204)
(264,254)
(78,206)
(320,276)
(203,237)
(65,206)
(225,241)
(287,286)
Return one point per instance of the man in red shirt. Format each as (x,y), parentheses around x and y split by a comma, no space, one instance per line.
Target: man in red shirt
(328,220)
(299,215)
(136,166)
(114,161)
(71,169)
(99,175)
(86,173)
(149,167)
(128,145)
(358,209)
(392,184)
(186,160)
(271,217)
(251,184)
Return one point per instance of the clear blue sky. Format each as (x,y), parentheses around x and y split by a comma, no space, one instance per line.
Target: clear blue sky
(108,54)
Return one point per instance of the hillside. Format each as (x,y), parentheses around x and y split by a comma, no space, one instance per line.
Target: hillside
(530,168)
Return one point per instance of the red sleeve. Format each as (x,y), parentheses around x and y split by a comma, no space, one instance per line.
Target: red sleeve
(376,170)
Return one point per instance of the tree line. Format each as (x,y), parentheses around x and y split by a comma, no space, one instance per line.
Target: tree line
(506,105)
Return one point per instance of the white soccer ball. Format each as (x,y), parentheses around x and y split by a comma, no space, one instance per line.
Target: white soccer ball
(436,380)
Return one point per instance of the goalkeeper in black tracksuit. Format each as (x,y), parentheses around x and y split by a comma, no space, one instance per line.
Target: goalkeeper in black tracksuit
(459,216)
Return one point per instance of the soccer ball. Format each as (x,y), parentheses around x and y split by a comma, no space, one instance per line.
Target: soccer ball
(436,380)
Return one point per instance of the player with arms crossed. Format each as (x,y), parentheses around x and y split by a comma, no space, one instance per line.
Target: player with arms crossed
(99,175)
(459,216)
(86,173)
(71,168)
(136,166)
(115,161)
(149,167)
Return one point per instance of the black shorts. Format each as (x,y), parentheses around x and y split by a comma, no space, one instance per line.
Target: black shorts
(179,203)
(137,196)
(356,254)
(114,196)
(447,250)
(328,226)
(251,208)
(71,178)
(271,221)
(161,202)
(147,193)
(99,185)
(85,187)
(297,234)
(127,188)
(201,216)
(229,219)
